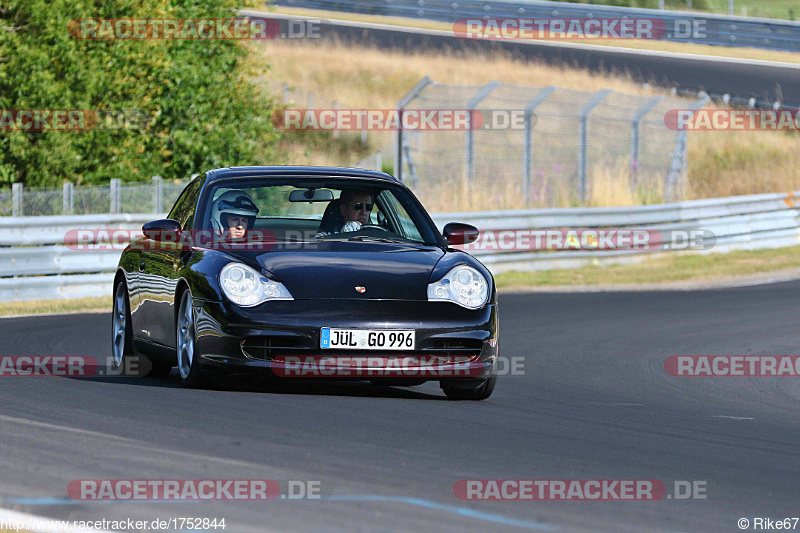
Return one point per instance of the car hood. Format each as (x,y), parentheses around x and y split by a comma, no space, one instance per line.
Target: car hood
(336,269)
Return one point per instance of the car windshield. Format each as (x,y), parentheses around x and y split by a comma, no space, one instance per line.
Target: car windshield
(305,210)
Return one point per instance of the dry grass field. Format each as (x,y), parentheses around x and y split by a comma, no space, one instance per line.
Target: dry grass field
(721,163)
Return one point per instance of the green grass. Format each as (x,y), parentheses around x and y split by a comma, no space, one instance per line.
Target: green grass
(662,269)
(779,9)
(43,307)
(774,9)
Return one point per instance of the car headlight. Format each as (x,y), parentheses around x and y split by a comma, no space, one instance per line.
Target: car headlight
(246,287)
(463,285)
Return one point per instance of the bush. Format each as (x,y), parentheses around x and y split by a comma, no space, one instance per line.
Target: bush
(201,109)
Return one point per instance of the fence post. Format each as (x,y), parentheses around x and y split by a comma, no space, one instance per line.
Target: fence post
(637,118)
(398,135)
(114,193)
(311,100)
(583,157)
(469,147)
(158,196)
(285,93)
(67,203)
(677,170)
(16,199)
(527,158)
(336,114)
(379,161)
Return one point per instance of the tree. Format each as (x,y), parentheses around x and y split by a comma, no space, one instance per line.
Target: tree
(177,106)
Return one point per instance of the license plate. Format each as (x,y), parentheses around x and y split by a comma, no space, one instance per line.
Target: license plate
(367,339)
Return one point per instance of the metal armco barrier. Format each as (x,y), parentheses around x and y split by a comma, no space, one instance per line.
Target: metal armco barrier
(679,26)
(36,264)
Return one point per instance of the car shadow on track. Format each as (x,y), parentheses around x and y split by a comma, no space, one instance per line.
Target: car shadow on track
(306,387)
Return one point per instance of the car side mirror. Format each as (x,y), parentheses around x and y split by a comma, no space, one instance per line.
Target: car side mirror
(164,230)
(459,233)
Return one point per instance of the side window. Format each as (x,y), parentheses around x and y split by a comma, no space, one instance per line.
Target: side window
(407,227)
(183,210)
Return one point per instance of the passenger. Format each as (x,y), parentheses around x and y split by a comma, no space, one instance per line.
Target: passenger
(233,214)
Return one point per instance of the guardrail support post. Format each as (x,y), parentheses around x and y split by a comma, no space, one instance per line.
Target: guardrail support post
(67,203)
(637,118)
(469,148)
(158,196)
(398,140)
(114,194)
(16,200)
(583,157)
(527,157)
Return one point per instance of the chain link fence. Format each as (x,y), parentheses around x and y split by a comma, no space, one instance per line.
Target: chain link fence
(536,147)
(153,196)
(542,147)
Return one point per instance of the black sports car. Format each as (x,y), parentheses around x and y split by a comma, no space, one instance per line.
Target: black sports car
(306,272)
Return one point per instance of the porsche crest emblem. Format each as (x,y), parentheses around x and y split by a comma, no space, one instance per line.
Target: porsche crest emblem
(361,289)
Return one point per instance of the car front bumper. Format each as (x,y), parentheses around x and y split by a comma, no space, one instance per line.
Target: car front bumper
(282,338)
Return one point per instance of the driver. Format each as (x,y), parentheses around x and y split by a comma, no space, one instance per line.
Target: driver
(232,214)
(355,206)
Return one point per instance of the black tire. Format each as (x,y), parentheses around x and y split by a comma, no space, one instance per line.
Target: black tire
(483,391)
(186,355)
(160,370)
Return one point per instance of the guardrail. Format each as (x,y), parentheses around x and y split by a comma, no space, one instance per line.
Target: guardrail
(679,26)
(36,262)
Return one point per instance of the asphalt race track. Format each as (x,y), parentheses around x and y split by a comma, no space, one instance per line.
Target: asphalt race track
(594,403)
(766,81)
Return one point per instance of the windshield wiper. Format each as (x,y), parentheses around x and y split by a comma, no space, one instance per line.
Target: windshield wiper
(376,239)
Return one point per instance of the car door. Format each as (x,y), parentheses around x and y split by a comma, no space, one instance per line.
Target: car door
(160,265)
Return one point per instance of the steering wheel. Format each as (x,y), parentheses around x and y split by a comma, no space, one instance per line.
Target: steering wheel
(373,226)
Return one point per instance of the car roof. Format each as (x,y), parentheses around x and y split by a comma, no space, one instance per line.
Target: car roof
(281,171)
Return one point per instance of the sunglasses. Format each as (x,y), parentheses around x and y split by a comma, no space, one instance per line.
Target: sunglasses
(358,206)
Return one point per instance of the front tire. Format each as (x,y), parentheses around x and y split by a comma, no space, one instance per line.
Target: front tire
(188,360)
(481,392)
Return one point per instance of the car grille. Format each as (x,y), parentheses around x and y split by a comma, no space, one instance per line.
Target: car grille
(454,348)
(265,348)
